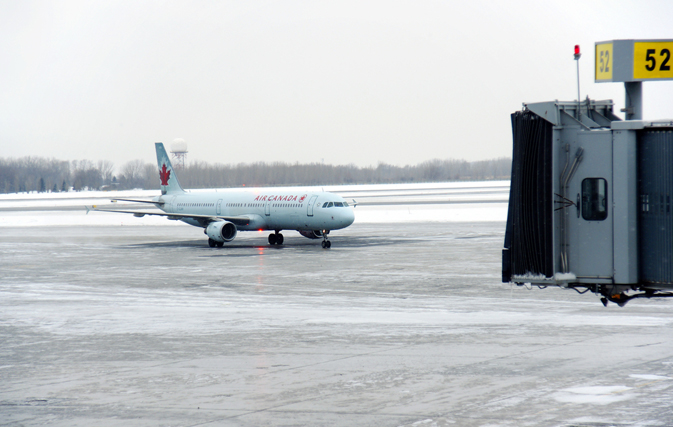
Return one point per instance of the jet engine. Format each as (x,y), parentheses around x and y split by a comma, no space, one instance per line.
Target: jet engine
(221,231)
(312,234)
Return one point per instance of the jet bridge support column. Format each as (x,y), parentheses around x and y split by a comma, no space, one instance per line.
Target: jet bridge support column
(634,100)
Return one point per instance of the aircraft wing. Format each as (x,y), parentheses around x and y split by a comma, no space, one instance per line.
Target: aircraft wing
(237,220)
(137,201)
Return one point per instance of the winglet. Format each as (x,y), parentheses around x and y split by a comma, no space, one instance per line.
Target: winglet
(169,180)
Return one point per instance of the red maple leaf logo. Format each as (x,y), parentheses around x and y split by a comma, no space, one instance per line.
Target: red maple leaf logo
(164,175)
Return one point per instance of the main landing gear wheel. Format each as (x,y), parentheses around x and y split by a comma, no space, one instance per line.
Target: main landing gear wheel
(276,239)
(212,243)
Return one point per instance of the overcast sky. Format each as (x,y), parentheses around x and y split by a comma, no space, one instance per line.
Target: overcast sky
(357,82)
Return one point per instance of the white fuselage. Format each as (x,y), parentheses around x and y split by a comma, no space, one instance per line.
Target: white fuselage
(266,210)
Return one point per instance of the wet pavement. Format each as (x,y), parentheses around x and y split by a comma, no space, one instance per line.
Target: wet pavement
(399,324)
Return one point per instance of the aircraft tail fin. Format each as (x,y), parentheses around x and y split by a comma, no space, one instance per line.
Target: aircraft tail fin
(169,180)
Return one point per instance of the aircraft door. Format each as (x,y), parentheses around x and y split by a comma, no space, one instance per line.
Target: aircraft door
(219,207)
(311,203)
(267,208)
(174,205)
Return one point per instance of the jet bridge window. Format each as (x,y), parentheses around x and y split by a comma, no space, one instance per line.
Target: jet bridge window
(594,199)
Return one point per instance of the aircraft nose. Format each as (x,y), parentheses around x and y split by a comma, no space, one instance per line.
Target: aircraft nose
(349,217)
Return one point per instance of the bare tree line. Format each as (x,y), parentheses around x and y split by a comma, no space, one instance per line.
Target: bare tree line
(203,175)
(50,175)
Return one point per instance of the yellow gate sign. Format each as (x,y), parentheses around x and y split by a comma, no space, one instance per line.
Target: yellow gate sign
(652,60)
(633,60)
(604,61)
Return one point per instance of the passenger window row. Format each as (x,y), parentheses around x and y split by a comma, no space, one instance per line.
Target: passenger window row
(198,205)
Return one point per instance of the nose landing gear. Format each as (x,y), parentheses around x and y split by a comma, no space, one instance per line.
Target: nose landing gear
(326,244)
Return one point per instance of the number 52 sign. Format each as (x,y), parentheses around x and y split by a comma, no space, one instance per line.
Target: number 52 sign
(634,60)
(652,60)
(604,61)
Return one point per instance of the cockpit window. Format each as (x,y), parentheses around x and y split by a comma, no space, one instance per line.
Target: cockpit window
(338,204)
(345,204)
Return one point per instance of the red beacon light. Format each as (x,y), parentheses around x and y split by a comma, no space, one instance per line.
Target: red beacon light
(577,52)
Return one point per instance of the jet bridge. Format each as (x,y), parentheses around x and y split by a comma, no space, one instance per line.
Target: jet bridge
(590,197)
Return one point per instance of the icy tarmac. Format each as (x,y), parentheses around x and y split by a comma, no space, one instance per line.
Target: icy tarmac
(111,320)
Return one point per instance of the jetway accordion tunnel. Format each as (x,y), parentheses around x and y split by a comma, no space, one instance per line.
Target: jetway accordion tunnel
(590,201)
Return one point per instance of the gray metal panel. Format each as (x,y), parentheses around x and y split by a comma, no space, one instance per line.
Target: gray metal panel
(625,203)
(622,70)
(594,113)
(546,110)
(642,124)
(655,189)
(630,124)
(590,241)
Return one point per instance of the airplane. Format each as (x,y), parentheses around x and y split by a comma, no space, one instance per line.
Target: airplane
(223,213)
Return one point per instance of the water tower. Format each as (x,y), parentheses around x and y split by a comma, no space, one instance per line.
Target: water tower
(179,152)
